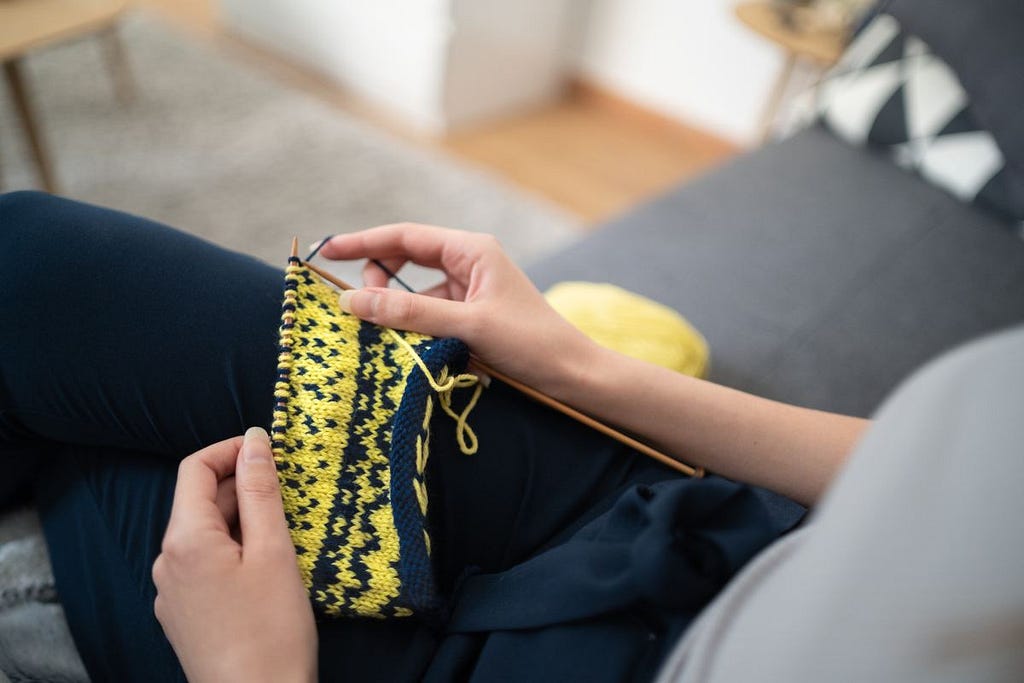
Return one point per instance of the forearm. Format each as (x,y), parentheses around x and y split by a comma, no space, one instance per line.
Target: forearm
(794,451)
(491,305)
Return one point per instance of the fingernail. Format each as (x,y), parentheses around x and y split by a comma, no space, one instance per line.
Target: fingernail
(313,246)
(256,444)
(345,300)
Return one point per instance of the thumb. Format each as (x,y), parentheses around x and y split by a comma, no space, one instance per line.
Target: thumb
(406,311)
(260,510)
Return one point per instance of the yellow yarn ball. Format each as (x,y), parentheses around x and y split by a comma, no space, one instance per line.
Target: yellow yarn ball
(632,324)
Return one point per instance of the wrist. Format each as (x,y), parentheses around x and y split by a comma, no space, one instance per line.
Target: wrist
(288,665)
(576,369)
(291,674)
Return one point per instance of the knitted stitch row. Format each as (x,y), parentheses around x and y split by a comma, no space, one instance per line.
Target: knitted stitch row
(350,435)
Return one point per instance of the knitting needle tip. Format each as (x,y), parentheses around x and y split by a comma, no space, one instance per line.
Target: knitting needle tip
(295,247)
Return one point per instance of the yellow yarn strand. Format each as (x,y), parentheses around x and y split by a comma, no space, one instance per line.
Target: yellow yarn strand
(464,434)
(444,386)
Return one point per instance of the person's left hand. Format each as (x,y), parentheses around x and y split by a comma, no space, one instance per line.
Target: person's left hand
(233,610)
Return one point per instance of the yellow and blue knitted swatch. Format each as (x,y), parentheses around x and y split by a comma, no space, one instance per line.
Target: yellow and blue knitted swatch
(351,435)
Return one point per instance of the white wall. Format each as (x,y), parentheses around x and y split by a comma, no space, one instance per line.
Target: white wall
(391,52)
(437,64)
(505,56)
(688,59)
(443,63)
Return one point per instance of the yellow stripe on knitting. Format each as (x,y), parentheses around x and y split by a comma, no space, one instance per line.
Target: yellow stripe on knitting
(316,485)
(384,583)
(372,484)
(422,455)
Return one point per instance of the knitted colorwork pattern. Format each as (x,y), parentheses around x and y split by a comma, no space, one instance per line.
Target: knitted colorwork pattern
(351,440)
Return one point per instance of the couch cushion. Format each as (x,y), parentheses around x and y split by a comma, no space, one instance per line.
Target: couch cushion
(820,274)
(892,91)
(981,41)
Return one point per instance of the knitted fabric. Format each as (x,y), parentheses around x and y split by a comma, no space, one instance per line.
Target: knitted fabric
(351,438)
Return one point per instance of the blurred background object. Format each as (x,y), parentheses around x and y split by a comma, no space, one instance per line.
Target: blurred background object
(806,32)
(214,147)
(590,105)
(438,65)
(27,25)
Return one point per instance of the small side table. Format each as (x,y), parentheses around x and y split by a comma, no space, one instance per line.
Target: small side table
(820,48)
(28,24)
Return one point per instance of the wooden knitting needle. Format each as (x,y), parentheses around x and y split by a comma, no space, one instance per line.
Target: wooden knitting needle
(476,363)
(479,365)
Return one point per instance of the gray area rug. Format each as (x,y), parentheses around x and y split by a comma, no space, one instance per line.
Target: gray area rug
(212,148)
(35,644)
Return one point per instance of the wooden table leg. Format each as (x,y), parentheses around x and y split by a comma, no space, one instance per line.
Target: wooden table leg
(16,81)
(772,109)
(117,64)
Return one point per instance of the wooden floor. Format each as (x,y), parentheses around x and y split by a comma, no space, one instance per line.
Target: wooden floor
(594,154)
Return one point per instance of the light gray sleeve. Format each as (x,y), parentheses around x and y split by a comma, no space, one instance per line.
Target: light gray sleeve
(912,568)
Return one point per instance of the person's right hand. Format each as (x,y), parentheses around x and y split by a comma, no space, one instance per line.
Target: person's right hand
(485,300)
(232,604)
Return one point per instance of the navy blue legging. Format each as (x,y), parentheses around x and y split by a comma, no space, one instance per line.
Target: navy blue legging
(126,345)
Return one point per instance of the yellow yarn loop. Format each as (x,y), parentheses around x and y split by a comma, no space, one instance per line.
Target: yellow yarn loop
(632,324)
(444,385)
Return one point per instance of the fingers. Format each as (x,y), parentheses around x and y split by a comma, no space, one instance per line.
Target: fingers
(375,276)
(195,495)
(421,243)
(405,311)
(451,250)
(442,290)
(260,510)
(227,504)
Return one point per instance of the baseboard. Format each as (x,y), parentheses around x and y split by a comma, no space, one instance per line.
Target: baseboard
(593,94)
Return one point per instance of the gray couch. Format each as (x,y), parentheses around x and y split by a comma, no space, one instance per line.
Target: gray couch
(819,273)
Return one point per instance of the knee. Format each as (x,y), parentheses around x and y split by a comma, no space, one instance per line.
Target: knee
(24,217)
(15,206)
(24,198)
(34,231)
(42,232)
